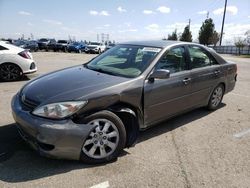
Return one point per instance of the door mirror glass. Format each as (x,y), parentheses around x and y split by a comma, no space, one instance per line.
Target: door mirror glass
(159,74)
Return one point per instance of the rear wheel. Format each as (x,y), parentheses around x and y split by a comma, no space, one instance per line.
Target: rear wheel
(105,142)
(10,72)
(216,97)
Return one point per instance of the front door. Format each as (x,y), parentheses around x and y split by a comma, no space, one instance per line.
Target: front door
(166,97)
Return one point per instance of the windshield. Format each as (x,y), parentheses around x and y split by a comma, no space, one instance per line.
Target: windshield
(43,40)
(124,60)
(62,41)
(94,43)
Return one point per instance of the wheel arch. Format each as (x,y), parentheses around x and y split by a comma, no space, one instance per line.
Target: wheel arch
(130,118)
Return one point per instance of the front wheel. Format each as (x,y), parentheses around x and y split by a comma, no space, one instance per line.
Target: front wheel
(106,141)
(216,97)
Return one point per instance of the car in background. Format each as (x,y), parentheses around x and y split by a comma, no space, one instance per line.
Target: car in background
(19,43)
(91,112)
(15,62)
(76,47)
(61,45)
(110,45)
(95,47)
(30,45)
(46,44)
(9,40)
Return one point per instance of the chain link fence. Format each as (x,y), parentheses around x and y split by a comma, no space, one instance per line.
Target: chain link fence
(232,50)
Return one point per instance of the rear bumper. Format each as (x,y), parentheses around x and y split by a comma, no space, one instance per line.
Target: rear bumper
(32,69)
(51,138)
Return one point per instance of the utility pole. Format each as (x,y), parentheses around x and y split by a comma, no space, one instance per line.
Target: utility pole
(207,14)
(222,27)
(189,22)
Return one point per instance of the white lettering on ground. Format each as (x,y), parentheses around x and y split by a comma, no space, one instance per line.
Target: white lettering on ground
(101,185)
(241,134)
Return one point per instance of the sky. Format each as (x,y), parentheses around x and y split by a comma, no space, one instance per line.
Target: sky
(123,20)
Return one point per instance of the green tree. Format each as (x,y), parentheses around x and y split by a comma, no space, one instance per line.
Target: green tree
(214,39)
(206,31)
(186,35)
(240,43)
(173,36)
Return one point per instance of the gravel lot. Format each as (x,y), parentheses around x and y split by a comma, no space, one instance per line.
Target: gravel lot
(197,149)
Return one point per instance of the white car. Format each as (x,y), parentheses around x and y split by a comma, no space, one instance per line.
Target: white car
(95,47)
(15,62)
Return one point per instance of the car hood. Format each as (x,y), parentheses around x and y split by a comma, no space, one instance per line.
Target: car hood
(69,84)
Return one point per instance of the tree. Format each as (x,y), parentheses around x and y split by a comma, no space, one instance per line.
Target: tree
(206,32)
(173,36)
(239,43)
(186,35)
(214,39)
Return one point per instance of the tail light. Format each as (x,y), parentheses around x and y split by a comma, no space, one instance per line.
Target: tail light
(24,54)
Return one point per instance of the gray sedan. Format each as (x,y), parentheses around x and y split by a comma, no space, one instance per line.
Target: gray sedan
(92,111)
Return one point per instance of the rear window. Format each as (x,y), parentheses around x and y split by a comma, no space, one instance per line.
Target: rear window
(62,41)
(95,43)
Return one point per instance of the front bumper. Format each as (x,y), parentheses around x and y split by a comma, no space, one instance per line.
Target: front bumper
(91,50)
(52,138)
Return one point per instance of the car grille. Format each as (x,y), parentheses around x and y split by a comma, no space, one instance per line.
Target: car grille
(91,47)
(32,66)
(28,104)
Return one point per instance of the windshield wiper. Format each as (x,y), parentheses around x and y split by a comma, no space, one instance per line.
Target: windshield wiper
(100,70)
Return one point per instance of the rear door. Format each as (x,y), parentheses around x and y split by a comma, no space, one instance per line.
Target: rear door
(166,97)
(205,74)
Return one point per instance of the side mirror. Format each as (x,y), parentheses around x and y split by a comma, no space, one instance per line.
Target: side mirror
(159,74)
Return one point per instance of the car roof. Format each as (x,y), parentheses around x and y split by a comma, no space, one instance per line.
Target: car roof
(154,43)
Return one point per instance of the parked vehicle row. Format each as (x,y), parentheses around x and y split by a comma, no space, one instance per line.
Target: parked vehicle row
(31,45)
(47,44)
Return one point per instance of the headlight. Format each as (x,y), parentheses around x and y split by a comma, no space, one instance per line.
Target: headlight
(59,110)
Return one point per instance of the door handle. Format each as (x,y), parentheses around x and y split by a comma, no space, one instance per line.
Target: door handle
(186,80)
(216,72)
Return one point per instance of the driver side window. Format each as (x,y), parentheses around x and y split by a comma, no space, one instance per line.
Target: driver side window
(173,60)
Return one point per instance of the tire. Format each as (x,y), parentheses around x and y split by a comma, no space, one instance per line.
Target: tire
(216,97)
(106,140)
(99,51)
(10,72)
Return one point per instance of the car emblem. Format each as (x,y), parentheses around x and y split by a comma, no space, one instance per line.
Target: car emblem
(23,97)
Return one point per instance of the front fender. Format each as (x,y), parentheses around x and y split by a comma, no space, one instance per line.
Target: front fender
(130,121)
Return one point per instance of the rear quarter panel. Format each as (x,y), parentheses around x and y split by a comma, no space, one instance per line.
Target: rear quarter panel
(230,70)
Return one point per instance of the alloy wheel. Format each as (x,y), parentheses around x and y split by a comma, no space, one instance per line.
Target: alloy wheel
(217,96)
(102,141)
(10,72)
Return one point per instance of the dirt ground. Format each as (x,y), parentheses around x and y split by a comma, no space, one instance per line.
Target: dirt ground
(197,149)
